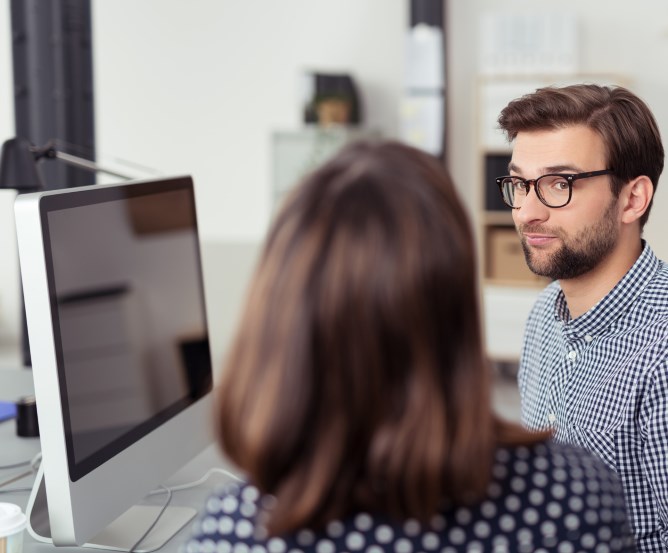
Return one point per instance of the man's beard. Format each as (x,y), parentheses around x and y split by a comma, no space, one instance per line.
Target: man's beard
(579,254)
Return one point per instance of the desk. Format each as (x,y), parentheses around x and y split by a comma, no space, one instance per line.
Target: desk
(15,383)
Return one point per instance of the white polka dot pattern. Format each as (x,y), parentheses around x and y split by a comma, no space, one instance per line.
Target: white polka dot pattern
(336,529)
(276,545)
(550,498)
(384,534)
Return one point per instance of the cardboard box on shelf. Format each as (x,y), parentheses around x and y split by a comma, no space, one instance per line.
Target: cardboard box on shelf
(505,258)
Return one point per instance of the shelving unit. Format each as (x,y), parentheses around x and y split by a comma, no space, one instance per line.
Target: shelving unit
(297,152)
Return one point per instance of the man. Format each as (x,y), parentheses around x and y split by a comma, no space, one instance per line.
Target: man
(585,164)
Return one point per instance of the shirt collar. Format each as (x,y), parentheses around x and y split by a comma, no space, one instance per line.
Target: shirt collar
(611,307)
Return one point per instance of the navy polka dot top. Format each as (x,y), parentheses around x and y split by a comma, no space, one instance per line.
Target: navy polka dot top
(545,497)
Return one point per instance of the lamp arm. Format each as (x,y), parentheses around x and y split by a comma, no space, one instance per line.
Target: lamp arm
(86,164)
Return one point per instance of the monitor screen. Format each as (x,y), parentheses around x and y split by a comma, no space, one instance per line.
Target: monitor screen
(116,316)
(128,315)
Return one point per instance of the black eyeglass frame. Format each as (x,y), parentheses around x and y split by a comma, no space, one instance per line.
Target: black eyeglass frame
(570,179)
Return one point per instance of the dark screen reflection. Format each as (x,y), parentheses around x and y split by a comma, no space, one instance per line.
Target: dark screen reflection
(133,340)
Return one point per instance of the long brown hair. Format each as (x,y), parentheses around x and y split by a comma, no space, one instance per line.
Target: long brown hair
(624,122)
(357,378)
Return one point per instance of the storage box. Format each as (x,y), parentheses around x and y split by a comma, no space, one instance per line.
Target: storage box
(505,258)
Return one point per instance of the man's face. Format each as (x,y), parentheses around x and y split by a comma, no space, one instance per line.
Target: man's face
(566,242)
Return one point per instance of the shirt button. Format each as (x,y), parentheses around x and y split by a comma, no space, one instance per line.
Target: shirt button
(572,355)
(588,338)
(552,417)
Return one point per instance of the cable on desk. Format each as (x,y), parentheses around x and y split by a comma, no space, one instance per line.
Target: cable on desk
(197,482)
(34,464)
(15,465)
(16,490)
(179,487)
(35,461)
(15,477)
(164,507)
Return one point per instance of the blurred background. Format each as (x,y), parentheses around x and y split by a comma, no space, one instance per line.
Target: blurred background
(246,96)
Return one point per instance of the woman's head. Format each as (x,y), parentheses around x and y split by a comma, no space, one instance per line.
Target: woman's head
(356,379)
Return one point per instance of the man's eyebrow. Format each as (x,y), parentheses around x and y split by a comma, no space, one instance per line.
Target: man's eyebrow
(561,168)
(564,168)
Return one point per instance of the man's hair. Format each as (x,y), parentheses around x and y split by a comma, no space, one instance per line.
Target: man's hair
(624,122)
(357,379)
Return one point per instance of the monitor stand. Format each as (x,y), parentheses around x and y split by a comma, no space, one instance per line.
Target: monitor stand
(122,533)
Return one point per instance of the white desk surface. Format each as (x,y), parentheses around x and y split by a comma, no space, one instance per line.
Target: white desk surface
(15,383)
(13,449)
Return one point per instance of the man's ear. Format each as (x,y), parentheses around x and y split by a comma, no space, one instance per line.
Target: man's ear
(636,197)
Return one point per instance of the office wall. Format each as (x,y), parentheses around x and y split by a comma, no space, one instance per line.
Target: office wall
(6,81)
(198,87)
(9,280)
(630,40)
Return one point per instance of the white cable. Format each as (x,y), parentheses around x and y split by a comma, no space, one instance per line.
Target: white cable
(164,507)
(179,487)
(36,459)
(199,481)
(16,490)
(15,477)
(15,465)
(34,464)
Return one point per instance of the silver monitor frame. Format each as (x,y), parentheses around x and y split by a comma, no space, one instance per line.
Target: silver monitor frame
(80,510)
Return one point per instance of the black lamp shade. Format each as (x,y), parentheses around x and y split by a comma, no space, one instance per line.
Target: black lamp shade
(18,166)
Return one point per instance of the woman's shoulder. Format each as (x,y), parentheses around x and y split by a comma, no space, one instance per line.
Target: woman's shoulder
(559,470)
(541,496)
(560,460)
(573,493)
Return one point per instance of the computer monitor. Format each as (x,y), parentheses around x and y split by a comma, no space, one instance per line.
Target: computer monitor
(115,308)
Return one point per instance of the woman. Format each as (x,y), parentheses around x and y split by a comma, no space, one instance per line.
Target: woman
(356,396)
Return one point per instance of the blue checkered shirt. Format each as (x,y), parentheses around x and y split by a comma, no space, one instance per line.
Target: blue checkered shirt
(601,381)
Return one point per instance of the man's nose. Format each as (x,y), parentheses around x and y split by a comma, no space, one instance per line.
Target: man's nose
(532,210)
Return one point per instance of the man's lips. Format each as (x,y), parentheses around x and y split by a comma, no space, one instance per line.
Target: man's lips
(537,239)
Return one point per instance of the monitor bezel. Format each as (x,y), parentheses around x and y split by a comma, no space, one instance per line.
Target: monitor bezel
(95,196)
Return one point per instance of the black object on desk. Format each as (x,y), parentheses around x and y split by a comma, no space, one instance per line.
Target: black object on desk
(26,417)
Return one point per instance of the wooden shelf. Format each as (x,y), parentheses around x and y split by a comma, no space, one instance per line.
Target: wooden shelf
(501,218)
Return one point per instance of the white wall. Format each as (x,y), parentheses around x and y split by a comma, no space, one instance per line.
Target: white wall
(6,80)
(198,87)
(9,279)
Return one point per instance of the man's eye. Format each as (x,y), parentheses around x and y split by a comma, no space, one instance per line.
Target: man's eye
(554,184)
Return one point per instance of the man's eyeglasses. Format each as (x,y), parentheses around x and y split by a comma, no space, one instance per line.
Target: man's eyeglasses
(554,189)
